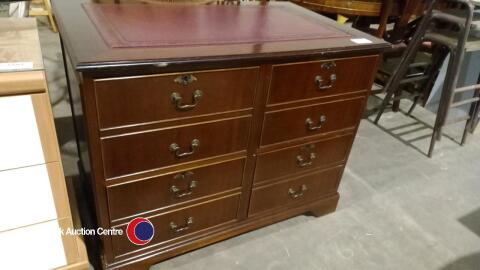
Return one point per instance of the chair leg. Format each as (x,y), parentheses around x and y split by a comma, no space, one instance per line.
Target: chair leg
(385,12)
(475,119)
(394,81)
(465,131)
(432,142)
(437,133)
(447,95)
(474,113)
(415,102)
(385,102)
(48,7)
(396,103)
(52,22)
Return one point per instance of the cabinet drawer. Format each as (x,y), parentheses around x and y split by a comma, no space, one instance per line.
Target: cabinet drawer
(297,159)
(138,152)
(184,222)
(146,99)
(298,190)
(313,79)
(145,195)
(311,120)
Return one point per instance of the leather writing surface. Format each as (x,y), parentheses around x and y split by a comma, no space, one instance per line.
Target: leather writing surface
(139,25)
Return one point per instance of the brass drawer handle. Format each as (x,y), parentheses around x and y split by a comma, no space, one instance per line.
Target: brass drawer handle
(177,229)
(297,194)
(303,162)
(174,148)
(311,125)
(185,79)
(178,193)
(320,82)
(177,100)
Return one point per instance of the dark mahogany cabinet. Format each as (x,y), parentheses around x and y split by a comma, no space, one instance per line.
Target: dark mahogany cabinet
(210,121)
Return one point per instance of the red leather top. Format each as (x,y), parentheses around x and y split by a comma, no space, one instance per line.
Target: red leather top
(140,25)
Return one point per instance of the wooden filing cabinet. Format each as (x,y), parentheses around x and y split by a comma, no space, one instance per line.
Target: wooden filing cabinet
(210,141)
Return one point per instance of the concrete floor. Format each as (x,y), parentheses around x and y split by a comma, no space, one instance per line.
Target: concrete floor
(398,209)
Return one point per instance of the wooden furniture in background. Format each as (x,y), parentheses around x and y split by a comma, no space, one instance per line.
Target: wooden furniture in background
(410,10)
(34,203)
(453,38)
(206,139)
(43,8)
(383,10)
(346,7)
(369,8)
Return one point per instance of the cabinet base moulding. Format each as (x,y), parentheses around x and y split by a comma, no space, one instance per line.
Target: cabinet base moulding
(316,208)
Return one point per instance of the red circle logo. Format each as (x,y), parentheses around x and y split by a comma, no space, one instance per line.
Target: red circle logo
(140,231)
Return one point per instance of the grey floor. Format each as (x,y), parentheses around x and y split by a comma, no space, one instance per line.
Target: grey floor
(398,209)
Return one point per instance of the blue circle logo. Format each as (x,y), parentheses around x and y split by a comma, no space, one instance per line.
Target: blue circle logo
(140,231)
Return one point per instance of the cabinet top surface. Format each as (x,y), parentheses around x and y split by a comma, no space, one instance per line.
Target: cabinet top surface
(101,35)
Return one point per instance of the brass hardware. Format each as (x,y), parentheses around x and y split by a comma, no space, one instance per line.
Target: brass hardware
(303,162)
(185,79)
(306,155)
(177,100)
(320,84)
(319,81)
(311,125)
(174,148)
(297,194)
(328,65)
(182,193)
(177,229)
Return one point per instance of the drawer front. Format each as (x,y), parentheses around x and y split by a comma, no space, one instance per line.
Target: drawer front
(133,153)
(297,159)
(174,225)
(149,194)
(299,190)
(323,78)
(138,100)
(311,120)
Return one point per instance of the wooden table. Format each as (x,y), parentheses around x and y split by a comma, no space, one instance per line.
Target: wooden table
(344,7)
(383,9)
(215,121)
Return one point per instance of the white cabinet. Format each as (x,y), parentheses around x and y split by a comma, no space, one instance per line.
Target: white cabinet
(20,143)
(26,197)
(38,246)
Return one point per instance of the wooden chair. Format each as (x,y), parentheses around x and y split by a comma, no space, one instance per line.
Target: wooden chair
(44,9)
(423,71)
